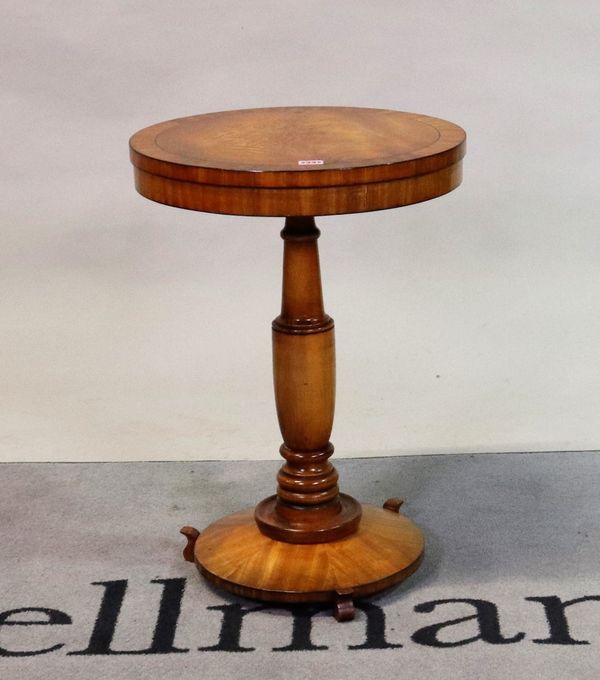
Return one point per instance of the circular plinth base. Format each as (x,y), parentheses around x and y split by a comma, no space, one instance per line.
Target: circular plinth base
(233,554)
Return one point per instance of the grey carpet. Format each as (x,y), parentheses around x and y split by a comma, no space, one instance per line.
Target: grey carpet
(511,540)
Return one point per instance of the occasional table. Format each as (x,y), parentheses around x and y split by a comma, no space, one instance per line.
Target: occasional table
(308,542)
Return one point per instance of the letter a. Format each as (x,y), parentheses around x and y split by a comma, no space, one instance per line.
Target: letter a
(486,616)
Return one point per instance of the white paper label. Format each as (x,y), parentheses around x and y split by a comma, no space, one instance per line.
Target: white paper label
(311,162)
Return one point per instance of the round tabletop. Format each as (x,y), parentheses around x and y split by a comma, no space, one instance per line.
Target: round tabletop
(294,161)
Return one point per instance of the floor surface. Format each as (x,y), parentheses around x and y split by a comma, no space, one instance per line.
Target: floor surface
(93,583)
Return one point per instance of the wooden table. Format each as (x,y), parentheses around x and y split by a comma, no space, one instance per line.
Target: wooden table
(308,542)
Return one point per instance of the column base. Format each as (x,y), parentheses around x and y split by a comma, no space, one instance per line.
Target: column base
(233,554)
(308,525)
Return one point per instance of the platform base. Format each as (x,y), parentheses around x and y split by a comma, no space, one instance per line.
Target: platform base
(233,554)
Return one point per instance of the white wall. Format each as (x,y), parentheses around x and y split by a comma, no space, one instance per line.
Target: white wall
(469,323)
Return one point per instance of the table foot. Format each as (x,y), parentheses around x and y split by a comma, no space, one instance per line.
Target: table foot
(394,504)
(343,607)
(235,555)
(191,534)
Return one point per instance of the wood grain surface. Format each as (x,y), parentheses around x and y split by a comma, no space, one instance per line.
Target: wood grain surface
(297,160)
(234,554)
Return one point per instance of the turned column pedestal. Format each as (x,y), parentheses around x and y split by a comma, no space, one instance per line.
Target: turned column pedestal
(308,507)
(308,542)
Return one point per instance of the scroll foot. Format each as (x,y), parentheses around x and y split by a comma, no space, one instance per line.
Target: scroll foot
(343,607)
(191,534)
(393,504)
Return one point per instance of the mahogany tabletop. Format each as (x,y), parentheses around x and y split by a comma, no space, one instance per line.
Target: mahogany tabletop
(293,161)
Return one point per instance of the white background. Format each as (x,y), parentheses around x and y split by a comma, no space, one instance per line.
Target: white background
(130,330)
